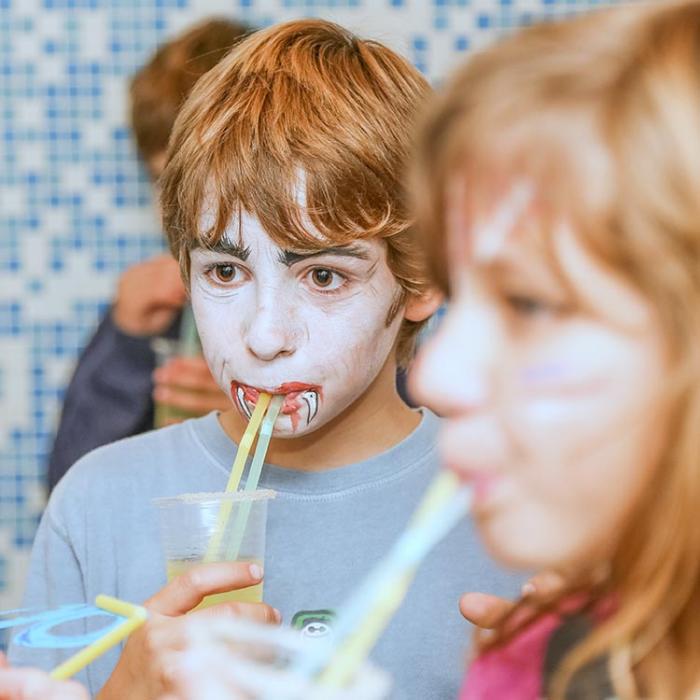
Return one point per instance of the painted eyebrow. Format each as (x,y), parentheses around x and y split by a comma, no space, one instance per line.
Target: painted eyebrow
(290,257)
(235,250)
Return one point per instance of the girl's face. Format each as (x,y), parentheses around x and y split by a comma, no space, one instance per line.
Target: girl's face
(549,369)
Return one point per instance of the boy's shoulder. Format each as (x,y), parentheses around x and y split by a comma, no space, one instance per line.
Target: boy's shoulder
(142,462)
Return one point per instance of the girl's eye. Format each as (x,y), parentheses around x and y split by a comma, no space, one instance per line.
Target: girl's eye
(224,273)
(325,279)
(529,306)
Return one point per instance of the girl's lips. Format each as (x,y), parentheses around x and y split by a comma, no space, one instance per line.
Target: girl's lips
(297,396)
(485,485)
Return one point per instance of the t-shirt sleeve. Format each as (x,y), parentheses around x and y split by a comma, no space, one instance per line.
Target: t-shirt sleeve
(54,580)
(107,399)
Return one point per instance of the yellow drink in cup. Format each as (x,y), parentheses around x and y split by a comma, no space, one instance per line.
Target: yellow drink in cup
(213,527)
(251,594)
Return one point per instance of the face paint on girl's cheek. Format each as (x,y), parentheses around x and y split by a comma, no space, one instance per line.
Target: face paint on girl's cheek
(558,378)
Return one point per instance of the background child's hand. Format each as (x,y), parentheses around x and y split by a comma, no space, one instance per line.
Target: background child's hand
(144,669)
(186,384)
(149,296)
(32,684)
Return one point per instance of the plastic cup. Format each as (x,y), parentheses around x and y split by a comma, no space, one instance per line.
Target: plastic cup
(166,349)
(262,660)
(192,523)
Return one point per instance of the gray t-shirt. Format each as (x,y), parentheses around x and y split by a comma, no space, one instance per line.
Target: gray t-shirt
(326,530)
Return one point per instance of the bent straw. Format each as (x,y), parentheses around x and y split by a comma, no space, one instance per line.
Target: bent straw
(236,474)
(251,484)
(424,537)
(428,525)
(135,616)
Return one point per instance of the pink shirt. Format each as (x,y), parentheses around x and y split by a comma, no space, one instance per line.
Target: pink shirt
(515,670)
(512,671)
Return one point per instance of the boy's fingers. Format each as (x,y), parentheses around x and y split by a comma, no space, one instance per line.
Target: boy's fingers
(187,591)
(483,610)
(255,612)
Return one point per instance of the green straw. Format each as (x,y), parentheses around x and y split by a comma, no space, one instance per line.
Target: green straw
(251,484)
(235,476)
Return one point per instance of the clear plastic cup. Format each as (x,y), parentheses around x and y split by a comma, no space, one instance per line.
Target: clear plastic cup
(262,660)
(211,527)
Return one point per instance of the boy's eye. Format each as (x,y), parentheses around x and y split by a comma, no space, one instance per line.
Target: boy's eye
(225,273)
(323,278)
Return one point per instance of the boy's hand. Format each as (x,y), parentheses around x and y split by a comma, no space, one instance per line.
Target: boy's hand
(185,383)
(149,296)
(488,611)
(143,669)
(32,684)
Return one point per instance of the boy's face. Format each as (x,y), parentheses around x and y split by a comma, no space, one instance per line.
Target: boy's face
(311,326)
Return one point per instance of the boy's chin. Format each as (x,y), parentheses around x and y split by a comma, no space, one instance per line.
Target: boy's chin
(290,427)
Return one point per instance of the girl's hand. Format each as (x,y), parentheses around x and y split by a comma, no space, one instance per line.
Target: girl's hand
(489,611)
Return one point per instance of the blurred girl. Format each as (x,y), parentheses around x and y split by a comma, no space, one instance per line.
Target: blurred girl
(559,191)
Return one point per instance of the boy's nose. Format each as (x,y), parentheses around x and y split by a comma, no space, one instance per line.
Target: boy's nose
(452,374)
(272,333)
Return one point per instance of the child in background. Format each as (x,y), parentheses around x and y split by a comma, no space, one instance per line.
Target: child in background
(284,200)
(558,185)
(110,394)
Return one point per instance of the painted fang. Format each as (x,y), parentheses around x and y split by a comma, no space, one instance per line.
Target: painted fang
(301,401)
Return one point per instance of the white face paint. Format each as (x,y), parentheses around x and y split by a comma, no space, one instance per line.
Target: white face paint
(552,389)
(311,326)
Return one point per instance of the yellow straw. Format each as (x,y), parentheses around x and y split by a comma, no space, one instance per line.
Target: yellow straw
(355,649)
(135,616)
(236,474)
(340,671)
(247,442)
(241,522)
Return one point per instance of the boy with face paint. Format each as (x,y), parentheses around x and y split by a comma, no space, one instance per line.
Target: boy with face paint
(283,201)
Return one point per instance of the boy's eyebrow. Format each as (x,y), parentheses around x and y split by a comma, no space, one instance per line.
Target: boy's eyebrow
(291,257)
(227,247)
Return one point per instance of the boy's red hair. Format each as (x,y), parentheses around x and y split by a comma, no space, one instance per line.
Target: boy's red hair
(305,103)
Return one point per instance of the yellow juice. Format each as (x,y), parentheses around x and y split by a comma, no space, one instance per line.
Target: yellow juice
(252,594)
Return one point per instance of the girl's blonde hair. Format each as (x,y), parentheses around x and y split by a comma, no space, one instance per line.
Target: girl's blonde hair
(603,112)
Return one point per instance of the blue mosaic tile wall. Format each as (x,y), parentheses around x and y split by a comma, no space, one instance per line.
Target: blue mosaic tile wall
(74,202)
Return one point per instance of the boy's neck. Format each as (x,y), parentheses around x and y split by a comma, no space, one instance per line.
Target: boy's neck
(374,423)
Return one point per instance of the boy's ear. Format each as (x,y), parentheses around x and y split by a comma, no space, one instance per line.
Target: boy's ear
(420,307)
